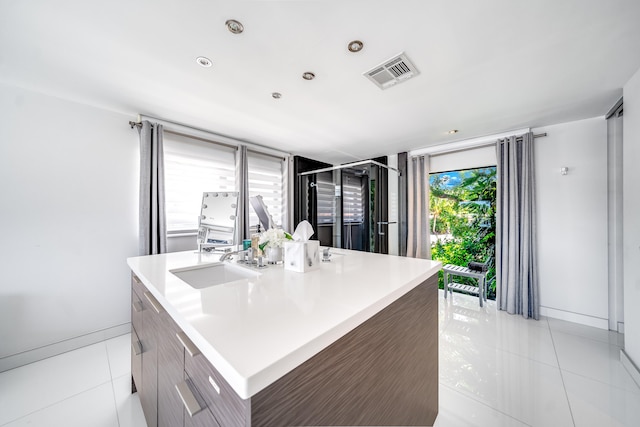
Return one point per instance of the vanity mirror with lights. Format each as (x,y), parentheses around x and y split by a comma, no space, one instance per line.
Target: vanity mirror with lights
(217,222)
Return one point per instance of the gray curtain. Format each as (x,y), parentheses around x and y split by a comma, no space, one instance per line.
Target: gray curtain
(419,238)
(516,267)
(152,219)
(242,181)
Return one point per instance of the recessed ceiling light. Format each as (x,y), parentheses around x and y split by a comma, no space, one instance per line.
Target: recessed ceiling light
(234,26)
(355,46)
(308,75)
(205,62)
(452,131)
(276,95)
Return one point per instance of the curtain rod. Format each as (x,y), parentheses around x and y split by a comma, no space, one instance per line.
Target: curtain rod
(519,138)
(348,165)
(487,144)
(225,140)
(538,135)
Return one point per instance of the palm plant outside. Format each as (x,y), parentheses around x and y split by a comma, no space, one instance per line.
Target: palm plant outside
(462,206)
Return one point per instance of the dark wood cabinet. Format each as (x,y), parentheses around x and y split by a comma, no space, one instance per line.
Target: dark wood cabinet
(228,408)
(149,337)
(202,418)
(136,344)
(158,348)
(384,372)
(170,373)
(157,358)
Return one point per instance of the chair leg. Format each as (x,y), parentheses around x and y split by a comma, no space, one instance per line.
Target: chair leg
(446,284)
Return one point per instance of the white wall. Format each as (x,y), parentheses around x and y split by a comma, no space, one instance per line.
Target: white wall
(615,220)
(571,216)
(467,159)
(572,221)
(631,214)
(68,197)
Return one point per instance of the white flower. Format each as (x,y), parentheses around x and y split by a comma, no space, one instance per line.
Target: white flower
(273,237)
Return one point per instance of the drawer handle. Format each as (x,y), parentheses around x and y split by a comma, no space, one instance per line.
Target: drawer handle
(216,387)
(137,348)
(135,279)
(188,398)
(187,344)
(137,306)
(154,302)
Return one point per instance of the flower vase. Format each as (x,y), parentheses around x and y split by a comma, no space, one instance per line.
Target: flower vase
(274,255)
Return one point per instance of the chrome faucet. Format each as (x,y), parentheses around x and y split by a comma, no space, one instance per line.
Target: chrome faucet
(228,255)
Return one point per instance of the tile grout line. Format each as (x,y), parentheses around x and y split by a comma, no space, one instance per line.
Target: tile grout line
(544,326)
(564,386)
(523,356)
(113,389)
(604,383)
(600,342)
(586,336)
(472,397)
(484,404)
(70,396)
(55,403)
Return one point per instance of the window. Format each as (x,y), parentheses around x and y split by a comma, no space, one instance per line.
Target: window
(326,199)
(462,210)
(267,177)
(353,200)
(193,166)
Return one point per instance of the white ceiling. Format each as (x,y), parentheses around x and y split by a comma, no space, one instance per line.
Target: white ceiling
(486,66)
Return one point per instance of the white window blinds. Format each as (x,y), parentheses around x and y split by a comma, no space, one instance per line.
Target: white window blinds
(326,192)
(353,201)
(267,177)
(193,166)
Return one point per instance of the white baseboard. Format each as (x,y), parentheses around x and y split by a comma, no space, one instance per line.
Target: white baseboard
(40,353)
(583,319)
(630,366)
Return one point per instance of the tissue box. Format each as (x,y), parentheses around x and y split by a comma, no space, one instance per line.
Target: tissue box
(302,256)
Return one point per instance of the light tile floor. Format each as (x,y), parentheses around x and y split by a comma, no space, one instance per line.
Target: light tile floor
(88,387)
(496,370)
(503,370)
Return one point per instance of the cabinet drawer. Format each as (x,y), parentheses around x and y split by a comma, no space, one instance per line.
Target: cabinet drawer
(170,373)
(136,310)
(228,408)
(136,359)
(203,418)
(137,286)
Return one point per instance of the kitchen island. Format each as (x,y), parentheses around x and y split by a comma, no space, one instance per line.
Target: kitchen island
(352,343)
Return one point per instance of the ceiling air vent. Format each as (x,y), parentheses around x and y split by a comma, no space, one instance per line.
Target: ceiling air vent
(392,71)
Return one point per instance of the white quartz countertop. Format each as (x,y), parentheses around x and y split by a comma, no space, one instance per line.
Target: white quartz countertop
(256,330)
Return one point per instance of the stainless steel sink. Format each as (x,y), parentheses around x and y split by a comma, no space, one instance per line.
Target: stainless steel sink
(218,273)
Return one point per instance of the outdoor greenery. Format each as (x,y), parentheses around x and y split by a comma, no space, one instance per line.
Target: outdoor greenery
(463,220)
